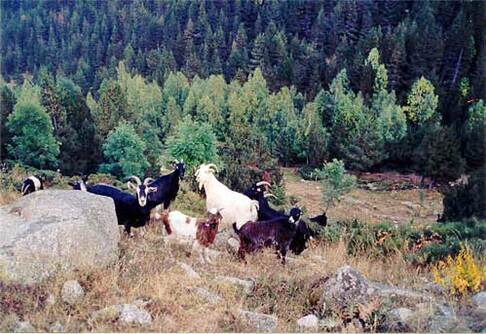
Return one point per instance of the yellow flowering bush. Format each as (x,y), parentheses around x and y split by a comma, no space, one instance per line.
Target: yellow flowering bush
(460,275)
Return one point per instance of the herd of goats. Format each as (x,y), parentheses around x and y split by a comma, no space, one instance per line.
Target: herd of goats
(254,221)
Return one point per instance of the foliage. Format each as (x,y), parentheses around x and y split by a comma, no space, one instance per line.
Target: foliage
(474,143)
(193,142)
(335,182)
(32,140)
(460,275)
(422,103)
(124,152)
(467,200)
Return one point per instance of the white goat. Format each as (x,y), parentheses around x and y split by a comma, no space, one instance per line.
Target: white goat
(237,207)
(200,231)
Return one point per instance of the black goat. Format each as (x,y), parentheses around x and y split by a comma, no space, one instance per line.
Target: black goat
(167,187)
(129,213)
(265,212)
(31,184)
(283,233)
(320,220)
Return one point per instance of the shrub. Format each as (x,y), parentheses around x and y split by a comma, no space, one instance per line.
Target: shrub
(467,200)
(124,151)
(193,142)
(335,182)
(460,275)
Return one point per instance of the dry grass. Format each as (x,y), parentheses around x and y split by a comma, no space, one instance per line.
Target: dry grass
(148,268)
(400,206)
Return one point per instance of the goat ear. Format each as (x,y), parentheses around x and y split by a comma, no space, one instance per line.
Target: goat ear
(152,189)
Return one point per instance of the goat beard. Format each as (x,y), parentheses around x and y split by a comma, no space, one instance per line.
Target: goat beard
(205,235)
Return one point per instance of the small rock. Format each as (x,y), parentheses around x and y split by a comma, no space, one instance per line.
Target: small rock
(72,292)
(479,299)
(309,322)
(208,296)
(56,327)
(329,324)
(131,314)
(261,322)
(246,285)
(401,313)
(189,271)
(126,313)
(233,244)
(24,327)
(51,299)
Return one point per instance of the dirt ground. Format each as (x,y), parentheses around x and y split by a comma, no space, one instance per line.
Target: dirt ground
(398,206)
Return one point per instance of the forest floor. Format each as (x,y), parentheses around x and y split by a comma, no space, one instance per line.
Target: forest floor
(398,206)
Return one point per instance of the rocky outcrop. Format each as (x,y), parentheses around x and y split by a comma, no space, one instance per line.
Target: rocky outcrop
(56,230)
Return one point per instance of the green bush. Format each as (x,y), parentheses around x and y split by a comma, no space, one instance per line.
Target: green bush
(335,182)
(124,152)
(467,200)
(193,142)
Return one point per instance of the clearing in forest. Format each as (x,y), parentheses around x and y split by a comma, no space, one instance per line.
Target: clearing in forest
(399,206)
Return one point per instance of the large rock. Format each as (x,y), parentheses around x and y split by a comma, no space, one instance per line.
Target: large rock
(349,286)
(479,299)
(56,230)
(308,323)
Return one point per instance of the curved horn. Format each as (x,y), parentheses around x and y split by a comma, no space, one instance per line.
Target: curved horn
(176,161)
(137,179)
(147,181)
(214,166)
(270,195)
(263,182)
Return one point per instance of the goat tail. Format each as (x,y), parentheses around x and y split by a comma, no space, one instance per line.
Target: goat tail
(235,228)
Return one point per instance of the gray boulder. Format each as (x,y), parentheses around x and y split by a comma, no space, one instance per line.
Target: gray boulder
(479,299)
(56,230)
(72,292)
(259,321)
(348,285)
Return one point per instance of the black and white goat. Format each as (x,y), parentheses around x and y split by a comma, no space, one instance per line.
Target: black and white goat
(283,233)
(129,212)
(31,184)
(167,187)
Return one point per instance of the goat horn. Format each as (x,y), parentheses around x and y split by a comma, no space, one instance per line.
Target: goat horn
(270,195)
(137,179)
(212,165)
(147,180)
(263,183)
(176,161)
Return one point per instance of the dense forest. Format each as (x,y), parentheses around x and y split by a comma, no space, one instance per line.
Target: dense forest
(124,86)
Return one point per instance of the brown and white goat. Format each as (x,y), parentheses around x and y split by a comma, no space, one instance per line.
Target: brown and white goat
(201,231)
